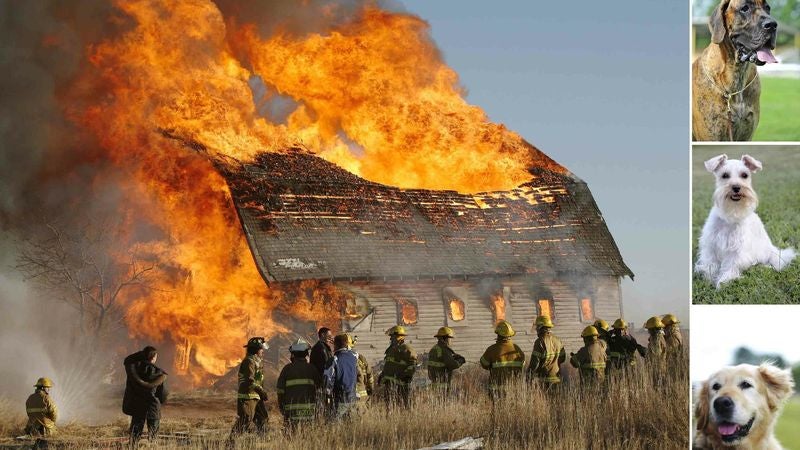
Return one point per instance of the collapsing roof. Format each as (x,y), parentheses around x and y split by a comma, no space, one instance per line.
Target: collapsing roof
(306,218)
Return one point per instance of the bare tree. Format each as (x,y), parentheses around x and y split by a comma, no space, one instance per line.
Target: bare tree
(89,267)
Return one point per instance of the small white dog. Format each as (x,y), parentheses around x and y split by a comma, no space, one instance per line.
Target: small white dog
(734,237)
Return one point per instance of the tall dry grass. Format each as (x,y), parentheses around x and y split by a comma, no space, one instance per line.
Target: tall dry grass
(642,410)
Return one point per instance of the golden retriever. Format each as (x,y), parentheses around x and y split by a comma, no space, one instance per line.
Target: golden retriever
(736,408)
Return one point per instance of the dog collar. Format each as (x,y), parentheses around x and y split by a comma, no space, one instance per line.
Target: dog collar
(727,96)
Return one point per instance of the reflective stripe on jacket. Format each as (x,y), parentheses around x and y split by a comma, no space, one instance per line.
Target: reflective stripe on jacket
(441,363)
(366,381)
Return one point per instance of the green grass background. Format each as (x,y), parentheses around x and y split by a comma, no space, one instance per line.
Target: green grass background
(778,188)
(780,110)
(787,429)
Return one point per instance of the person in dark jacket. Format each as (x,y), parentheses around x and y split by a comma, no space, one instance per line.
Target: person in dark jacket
(297,387)
(146,401)
(321,352)
(343,377)
(134,381)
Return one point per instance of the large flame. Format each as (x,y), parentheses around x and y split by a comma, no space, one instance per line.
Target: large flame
(373,96)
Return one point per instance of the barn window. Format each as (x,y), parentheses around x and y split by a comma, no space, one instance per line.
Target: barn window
(406,311)
(456,310)
(498,303)
(587,310)
(545,308)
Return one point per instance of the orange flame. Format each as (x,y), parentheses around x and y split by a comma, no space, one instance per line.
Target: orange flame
(372,96)
(587,313)
(545,308)
(457,310)
(499,307)
(408,311)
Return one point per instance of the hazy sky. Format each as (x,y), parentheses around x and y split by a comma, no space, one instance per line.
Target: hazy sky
(763,329)
(603,89)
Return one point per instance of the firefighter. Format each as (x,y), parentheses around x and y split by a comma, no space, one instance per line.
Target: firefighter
(42,411)
(251,404)
(591,358)
(622,347)
(145,402)
(365,383)
(547,356)
(399,364)
(656,344)
(603,330)
(504,360)
(672,337)
(297,387)
(442,360)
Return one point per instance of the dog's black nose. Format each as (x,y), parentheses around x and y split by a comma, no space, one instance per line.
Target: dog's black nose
(724,406)
(770,24)
(736,189)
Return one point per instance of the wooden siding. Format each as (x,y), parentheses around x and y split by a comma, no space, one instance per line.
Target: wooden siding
(476,332)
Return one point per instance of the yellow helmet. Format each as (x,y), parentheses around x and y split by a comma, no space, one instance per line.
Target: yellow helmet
(503,329)
(653,322)
(544,321)
(601,324)
(43,382)
(620,324)
(669,319)
(397,330)
(445,332)
(589,331)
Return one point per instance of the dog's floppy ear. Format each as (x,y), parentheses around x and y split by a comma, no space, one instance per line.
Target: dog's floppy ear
(716,23)
(714,163)
(779,383)
(753,164)
(701,407)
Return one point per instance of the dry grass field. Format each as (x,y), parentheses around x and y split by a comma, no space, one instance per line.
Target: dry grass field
(633,412)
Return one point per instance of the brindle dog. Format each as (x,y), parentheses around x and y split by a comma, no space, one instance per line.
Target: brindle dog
(725,84)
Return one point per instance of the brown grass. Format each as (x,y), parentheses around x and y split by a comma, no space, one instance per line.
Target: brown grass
(626,413)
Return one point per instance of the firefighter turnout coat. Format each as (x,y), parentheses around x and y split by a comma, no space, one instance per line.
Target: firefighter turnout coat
(442,361)
(547,356)
(251,379)
(590,362)
(365,382)
(400,362)
(297,388)
(504,360)
(42,414)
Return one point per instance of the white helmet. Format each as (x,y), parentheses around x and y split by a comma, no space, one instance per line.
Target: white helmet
(299,346)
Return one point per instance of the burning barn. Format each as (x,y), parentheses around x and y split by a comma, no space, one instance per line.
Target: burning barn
(426,258)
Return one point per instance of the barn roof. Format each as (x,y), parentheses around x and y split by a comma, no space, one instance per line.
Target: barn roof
(306,218)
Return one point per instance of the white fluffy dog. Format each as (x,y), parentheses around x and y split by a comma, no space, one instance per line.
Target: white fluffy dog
(734,237)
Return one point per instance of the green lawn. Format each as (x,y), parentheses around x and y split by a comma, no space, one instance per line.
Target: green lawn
(779,208)
(786,429)
(780,110)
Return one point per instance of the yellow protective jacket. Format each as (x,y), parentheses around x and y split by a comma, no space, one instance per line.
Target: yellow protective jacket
(399,364)
(297,388)
(504,360)
(673,340)
(442,361)
(251,379)
(365,380)
(547,356)
(42,414)
(590,362)
(656,347)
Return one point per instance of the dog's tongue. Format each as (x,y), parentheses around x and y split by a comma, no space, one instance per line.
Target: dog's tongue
(765,55)
(728,429)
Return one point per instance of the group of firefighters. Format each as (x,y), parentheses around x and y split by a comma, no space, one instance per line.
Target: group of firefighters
(331,379)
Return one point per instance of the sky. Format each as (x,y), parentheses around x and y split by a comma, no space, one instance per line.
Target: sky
(603,89)
(763,329)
